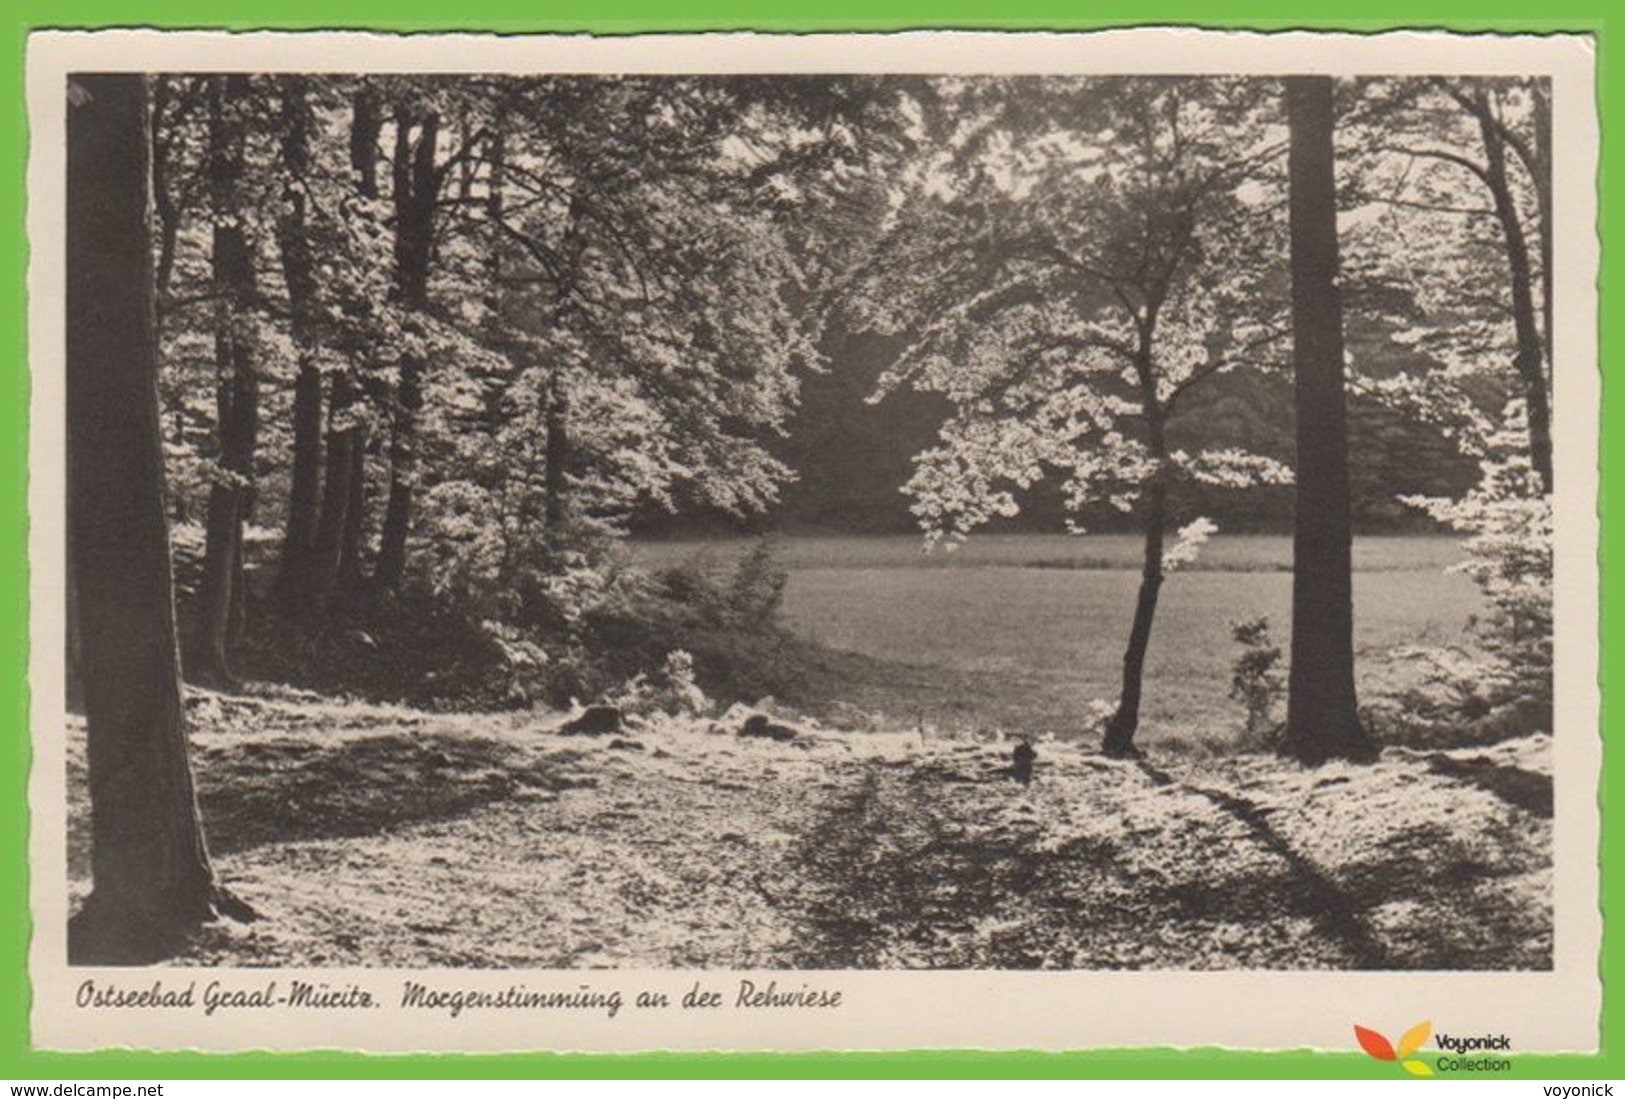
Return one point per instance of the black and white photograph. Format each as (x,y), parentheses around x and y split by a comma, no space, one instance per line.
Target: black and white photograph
(812,525)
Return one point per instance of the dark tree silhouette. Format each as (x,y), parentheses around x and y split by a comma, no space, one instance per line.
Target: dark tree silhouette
(1322,717)
(298,271)
(153,880)
(417,178)
(1530,358)
(1505,144)
(223,595)
(336,550)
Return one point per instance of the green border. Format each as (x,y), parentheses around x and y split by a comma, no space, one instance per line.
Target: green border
(19,1062)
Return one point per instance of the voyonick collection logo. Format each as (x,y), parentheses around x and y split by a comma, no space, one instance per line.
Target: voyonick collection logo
(1455,1050)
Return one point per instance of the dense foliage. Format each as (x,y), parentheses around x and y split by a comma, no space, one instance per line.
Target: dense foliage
(476,326)
(431,347)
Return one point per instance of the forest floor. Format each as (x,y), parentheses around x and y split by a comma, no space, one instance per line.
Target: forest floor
(384,836)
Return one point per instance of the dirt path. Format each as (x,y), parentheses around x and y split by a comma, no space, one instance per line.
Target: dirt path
(638,855)
(1421,861)
(953,865)
(387,838)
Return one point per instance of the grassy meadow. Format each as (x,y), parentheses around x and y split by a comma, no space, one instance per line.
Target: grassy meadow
(1018,633)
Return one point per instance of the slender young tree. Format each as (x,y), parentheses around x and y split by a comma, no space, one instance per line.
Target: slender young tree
(1530,358)
(1096,265)
(153,879)
(338,475)
(1462,166)
(175,100)
(1322,715)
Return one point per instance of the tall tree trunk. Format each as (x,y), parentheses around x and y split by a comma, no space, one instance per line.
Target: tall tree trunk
(337,563)
(207,661)
(496,155)
(236,391)
(1530,357)
(366,124)
(352,574)
(391,568)
(1119,740)
(74,694)
(1322,715)
(327,542)
(169,219)
(496,382)
(416,189)
(304,499)
(237,622)
(555,504)
(152,875)
(298,271)
(1543,186)
(169,223)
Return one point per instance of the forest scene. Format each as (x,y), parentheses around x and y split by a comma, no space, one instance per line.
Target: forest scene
(810,522)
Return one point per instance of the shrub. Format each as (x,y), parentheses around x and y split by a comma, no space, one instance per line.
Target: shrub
(1256,679)
(670,690)
(538,620)
(726,619)
(756,590)
(1504,687)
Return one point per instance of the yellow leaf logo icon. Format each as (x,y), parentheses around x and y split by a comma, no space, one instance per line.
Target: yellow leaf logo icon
(1375,1045)
(1412,1039)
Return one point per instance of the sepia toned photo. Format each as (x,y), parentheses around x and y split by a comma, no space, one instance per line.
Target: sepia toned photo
(859,542)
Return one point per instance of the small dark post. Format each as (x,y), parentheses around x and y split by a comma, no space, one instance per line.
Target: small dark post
(1021,762)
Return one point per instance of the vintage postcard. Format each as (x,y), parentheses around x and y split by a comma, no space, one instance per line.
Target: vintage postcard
(839,542)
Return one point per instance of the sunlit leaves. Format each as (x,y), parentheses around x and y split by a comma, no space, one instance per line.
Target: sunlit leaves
(634,267)
(1424,252)
(1188,543)
(1508,527)
(1069,265)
